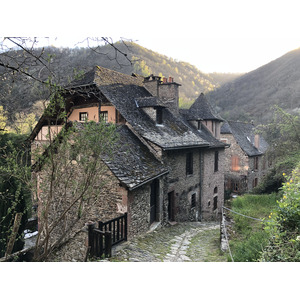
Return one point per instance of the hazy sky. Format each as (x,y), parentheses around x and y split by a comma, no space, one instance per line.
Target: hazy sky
(213,35)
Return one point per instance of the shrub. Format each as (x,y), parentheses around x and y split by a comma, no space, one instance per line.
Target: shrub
(284,223)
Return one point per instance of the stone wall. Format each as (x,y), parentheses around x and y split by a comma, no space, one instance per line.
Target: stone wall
(246,172)
(212,184)
(106,200)
(184,185)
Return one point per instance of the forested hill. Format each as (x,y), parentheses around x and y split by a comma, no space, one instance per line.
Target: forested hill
(21,93)
(251,96)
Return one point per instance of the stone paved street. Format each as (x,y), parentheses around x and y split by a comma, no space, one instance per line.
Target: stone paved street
(182,242)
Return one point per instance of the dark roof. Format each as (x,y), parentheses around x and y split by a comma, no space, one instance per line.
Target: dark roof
(244,134)
(132,163)
(225,128)
(123,90)
(148,102)
(202,109)
(205,134)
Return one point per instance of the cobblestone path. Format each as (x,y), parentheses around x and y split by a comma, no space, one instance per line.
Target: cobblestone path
(182,242)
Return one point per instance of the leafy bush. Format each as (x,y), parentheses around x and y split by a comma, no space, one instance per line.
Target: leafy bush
(284,225)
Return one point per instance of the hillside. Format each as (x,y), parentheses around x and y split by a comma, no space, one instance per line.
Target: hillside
(20,94)
(251,96)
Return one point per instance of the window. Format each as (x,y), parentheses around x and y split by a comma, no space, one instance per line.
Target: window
(215,202)
(189,163)
(159,115)
(83,116)
(199,125)
(235,163)
(104,116)
(216,161)
(216,190)
(255,182)
(256,163)
(193,200)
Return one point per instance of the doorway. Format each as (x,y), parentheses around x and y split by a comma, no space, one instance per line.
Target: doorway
(154,200)
(171,206)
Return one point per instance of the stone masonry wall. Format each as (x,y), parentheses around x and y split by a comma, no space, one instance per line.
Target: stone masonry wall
(183,185)
(106,204)
(246,173)
(212,185)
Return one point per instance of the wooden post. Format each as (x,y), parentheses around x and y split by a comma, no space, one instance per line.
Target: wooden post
(91,227)
(107,244)
(125,233)
(13,236)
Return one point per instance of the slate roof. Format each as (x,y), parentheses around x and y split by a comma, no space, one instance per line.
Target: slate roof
(244,134)
(204,133)
(203,109)
(123,90)
(132,163)
(148,102)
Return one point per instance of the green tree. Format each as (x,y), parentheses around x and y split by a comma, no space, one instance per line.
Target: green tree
(3,119)
(284,223)
(283,136)
(14,195)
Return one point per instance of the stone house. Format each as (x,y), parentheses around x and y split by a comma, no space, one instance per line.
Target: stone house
(246,163)
(171,167)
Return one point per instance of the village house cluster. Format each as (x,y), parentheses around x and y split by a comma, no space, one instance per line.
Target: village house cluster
(173,163)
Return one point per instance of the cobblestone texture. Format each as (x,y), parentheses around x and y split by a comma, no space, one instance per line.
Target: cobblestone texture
(182,242)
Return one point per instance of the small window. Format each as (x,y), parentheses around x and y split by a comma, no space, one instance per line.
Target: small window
(193,201)
(216,190)
(159,115)
(215,202)
(235,163)
(255,182)
(83,116)
(216,161)
(199,125)
(104,116)
(189,163)
(256,163)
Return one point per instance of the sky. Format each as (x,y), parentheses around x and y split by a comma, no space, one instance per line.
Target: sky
(214,35)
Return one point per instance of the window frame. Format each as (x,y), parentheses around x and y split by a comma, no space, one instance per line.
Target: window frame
(216,164)
(104,116)
(189,163)
(85,114)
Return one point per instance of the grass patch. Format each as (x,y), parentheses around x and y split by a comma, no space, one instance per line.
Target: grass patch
(247,235)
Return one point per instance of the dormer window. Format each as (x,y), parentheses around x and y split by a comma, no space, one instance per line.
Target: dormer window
(199,125)
(83,116)
(159,115)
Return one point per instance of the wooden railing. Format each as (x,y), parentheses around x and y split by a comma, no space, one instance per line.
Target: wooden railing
(107,234)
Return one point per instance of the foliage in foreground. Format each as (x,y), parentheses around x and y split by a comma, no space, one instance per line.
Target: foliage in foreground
(14,195)
(248,237)
(284,225)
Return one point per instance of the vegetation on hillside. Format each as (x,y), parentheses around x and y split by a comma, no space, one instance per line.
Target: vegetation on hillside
(250,96)
(283,136)
(19,93)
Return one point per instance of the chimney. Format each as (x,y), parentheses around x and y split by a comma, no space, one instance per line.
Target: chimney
(151,84)
(168,93)
(256,141)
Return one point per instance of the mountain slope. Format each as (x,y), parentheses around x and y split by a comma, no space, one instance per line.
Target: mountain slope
(251,96)
(19,93)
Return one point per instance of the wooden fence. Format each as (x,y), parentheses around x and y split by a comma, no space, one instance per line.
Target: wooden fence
(107,234)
